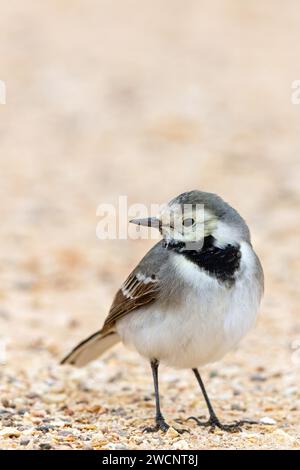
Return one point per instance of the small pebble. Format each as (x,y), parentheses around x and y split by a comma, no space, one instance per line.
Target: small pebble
(38,413)
(64,433)
(9,432)
(171,433)
(213,374)
(24,442)
(55,398)
(33,396)
(237,407)
(45,428)
(180,445)
(267,420)
(45,446)
(258,378)
(121,447)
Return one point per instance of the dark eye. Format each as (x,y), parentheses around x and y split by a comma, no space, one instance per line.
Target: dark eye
(188,222)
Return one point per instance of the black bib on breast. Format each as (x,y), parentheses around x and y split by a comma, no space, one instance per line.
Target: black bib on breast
(222,263)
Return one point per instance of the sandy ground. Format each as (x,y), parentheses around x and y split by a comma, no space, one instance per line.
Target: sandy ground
(144,99)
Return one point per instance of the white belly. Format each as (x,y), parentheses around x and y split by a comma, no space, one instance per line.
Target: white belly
(208,322)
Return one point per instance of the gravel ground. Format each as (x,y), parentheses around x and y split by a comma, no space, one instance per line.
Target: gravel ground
(147,100)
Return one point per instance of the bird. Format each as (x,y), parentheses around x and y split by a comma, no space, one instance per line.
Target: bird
(190,300)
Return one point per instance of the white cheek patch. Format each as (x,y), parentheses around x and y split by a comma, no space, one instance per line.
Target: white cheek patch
(225,234)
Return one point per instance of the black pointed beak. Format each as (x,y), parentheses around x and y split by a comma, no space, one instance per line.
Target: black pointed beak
(147,222)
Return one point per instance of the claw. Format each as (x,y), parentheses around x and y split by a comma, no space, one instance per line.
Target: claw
(161,425)
(214,423)
(182,430)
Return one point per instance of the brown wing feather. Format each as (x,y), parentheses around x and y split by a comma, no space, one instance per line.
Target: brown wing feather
(137,290)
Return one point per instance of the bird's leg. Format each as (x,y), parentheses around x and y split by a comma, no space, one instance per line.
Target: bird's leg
(214,421)
(160,423)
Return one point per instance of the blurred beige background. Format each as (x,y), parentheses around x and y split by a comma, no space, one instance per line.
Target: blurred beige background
(145,99)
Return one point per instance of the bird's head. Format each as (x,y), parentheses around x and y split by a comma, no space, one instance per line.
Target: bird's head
(194,215)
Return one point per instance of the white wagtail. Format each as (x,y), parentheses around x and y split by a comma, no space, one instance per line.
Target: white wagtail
(191,299)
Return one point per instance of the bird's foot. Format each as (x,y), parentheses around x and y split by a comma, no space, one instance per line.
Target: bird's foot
(161,425)
(214,423)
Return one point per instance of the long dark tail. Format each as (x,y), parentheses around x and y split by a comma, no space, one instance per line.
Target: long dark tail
(91,348)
